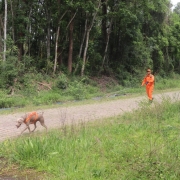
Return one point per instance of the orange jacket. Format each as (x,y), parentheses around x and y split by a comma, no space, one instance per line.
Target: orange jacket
(148,80)
(30,115)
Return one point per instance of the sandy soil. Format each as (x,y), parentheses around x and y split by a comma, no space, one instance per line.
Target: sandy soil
(57,117)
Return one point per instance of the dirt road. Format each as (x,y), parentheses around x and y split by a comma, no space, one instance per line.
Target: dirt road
(65,115)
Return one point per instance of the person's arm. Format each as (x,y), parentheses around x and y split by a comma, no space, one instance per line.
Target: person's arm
(151,79)
(143,81)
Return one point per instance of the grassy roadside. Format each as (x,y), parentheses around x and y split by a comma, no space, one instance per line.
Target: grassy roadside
(140,145)
(85,150)
(80,91)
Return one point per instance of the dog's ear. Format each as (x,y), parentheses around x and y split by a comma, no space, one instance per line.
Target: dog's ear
(41,113)
(24,116)
(20,120)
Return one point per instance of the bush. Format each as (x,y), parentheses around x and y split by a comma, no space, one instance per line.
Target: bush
(28,85)
(6,102)
(47,98)
(8,72)
(77,90)
(61,82)
(165,83)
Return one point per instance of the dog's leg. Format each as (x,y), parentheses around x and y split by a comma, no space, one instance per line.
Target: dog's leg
(24,129)
(42,124)
(28,128)
(34,127)
(41,120)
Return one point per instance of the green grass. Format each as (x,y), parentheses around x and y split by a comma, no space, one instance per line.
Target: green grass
(144,145)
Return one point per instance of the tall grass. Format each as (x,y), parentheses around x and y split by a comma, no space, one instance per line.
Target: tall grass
(144,144)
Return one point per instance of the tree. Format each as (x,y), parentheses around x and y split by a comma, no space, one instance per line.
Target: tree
(177,9)
(5,30)
(87,31)
(91,37)
(71,27)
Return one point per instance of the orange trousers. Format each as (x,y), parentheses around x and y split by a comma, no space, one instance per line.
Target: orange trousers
(149,91)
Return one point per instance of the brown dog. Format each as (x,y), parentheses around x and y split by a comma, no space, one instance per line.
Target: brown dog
(31,118)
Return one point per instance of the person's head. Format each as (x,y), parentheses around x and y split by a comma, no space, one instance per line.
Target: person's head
(148,71)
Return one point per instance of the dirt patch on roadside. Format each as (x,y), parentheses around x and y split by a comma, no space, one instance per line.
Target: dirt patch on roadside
(10,171)
(104,82)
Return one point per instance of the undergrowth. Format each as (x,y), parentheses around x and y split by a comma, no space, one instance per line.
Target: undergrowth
(37,89)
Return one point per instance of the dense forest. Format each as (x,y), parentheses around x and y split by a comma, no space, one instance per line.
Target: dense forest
(91,37)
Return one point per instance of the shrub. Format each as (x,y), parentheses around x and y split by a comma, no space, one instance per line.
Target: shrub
(8,71)
(29,87)
(46,97)
(5,101)
(76,90)
(61,82)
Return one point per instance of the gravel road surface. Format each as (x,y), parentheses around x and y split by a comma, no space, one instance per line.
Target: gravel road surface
(56,117)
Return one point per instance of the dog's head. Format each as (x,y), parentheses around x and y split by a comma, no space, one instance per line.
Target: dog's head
(19,122)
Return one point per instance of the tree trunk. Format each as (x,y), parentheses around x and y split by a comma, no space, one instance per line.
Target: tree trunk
(59,57)
(1,43)
(70,56)
(56,47)
(12,12)
(70,48)
(87,40)
(48,40)
(104,23)
(167,59)
(85,52)
(105,51)
(107,44)
(81,47)
(20,48)
(5,30)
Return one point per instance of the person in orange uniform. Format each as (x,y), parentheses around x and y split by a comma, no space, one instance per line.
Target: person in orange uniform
(148,81)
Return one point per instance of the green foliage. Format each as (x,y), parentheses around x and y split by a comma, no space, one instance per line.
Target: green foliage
(29,86)
(12,49)
(137,35)
(127,79)
(8,71)
(167,82)
(28,64)
(77,89)
(177,9)
(44,97)
(61,82)
(7,101)
(38,89)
